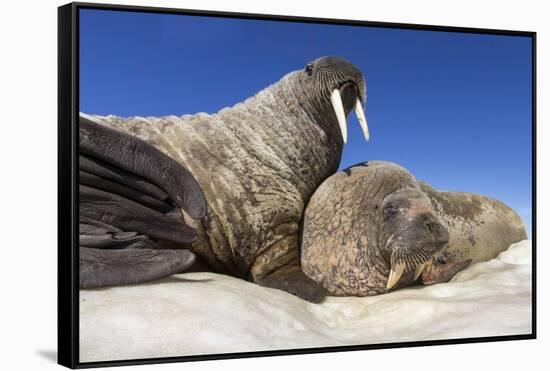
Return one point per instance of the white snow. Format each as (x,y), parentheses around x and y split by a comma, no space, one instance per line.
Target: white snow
(206,313)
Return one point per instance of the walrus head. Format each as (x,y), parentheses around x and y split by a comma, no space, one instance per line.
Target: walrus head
(369,229)
(339,83)
(411,233)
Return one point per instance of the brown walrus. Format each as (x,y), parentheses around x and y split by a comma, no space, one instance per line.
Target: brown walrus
(373,228)
(257,163)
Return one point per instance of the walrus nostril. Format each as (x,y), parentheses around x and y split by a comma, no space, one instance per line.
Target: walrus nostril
(439,232)
(445,236)
(442,234)
(430,227)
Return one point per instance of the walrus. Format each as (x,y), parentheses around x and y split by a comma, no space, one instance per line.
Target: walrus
(254,165)
(373,228)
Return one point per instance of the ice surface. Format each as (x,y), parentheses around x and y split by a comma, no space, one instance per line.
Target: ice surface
(205,313)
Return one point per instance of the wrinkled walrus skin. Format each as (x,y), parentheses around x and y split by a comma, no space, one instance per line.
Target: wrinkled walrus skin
(257,164)
(361,219)
(480,228)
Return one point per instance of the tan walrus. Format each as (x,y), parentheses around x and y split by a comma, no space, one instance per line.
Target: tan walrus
(373,228)
(256,163)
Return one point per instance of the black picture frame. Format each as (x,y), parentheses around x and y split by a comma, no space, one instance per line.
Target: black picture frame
(68,110)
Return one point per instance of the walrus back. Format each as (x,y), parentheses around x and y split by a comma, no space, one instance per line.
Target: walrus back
(480,227)
(253,202)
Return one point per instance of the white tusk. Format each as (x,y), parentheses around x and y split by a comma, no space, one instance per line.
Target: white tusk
(361,118)
(419,269)
(336,100)
(395,275)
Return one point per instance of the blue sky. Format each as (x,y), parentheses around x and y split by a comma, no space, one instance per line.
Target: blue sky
(453,108)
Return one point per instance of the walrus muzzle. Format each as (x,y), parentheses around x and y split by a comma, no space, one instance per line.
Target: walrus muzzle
(426,237)
(342,83)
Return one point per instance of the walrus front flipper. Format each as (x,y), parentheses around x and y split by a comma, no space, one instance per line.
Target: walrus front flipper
(131,201)
(294,281)
(127,215)
(138,196)
(100,267)
(96,234)
(141,159)
(106,171)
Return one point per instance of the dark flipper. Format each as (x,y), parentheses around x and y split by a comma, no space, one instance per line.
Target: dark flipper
(96,234)
(107,185)
(294,281)
(131,196)
(103,170)
(100,268)
(143,160)
(130,216)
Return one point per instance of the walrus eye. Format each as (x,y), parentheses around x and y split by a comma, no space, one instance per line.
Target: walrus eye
(390,210)
(309,69)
